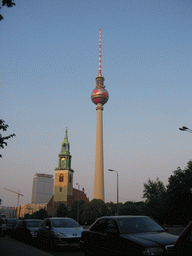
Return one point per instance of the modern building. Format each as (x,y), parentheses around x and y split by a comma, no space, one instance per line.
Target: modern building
(7,212)
(99,96)
(63,185)
(42,188)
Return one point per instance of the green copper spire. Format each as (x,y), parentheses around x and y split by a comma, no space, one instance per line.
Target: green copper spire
(65,145)
(64,161)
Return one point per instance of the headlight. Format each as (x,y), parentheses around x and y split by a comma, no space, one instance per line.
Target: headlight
(33,233)
(153,251)
(59,235)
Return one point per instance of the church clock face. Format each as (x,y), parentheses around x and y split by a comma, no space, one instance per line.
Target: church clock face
(63,159)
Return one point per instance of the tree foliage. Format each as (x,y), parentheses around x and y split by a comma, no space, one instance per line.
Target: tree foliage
(179,192)
(4,127)
(7,3)
(41,215)
(62,211)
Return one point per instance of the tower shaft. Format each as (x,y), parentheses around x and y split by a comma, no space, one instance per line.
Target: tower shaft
(99,175)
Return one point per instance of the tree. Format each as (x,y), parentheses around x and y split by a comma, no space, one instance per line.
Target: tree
(4,127)
(62,211)
(8,3)
(132,208)
(93,210)
(155,193)
(179,191)
(73,212)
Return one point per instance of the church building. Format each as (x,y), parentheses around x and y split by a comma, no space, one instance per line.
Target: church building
(63,184)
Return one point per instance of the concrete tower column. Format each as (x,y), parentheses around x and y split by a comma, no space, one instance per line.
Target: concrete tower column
(99,96)
(99,175)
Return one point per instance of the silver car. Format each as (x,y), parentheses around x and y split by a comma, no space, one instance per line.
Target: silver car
(59,232)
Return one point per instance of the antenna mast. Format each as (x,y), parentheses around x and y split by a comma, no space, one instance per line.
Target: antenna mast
(100,52)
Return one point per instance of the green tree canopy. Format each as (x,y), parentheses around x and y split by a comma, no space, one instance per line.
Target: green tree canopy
(7,3)
(154,190)
(155,193)
(61,211)
(179,192)
(4,127)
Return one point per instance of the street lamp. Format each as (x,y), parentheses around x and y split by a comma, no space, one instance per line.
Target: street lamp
(184,128)
(117,190)
(78,203)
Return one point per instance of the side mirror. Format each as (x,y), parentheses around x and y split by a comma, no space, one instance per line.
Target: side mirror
(46,227)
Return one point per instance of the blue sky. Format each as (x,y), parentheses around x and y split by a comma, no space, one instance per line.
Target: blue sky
(49,60)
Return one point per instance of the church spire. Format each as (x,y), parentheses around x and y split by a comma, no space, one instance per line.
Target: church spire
(65,145)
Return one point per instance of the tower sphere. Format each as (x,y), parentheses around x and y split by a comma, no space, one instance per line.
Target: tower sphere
(99,95)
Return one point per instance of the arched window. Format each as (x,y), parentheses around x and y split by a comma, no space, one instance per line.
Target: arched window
(60,189)
(61,178)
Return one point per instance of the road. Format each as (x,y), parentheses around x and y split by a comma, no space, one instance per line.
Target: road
(12,247)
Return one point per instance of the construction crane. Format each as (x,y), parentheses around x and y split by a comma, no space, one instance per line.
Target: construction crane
(18,194)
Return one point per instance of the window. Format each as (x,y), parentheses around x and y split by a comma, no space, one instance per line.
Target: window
(60,189)
(99,226)
(70,179)
(61,178)
(111,226)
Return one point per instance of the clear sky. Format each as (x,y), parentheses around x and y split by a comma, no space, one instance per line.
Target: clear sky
(49,59)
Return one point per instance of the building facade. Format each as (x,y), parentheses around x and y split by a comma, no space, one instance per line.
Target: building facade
(42,188)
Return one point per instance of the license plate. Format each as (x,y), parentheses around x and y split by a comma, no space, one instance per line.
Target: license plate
(75,244)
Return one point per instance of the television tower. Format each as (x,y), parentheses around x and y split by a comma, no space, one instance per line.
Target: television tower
(99,96)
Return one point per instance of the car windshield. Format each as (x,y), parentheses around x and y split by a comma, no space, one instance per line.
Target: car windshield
(11,222)
(33,224)
(64,223)
(138,225)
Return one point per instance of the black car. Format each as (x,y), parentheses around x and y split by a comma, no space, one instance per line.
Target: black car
(10,222)
(126,235)
(183,245)
(27,230)
(14,228)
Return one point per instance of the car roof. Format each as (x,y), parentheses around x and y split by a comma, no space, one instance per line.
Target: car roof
(124,216)
(55,218)
(32,220)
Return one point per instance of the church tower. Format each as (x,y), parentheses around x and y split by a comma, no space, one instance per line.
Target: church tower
(63,187)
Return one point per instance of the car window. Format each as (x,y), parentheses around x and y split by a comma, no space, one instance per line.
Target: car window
(64,223)
(20,224)
(111,226)
(99,226)
(33,224)
(189,237)
(138,225)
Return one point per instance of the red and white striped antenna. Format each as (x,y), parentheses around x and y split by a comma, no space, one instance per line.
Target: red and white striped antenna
(100,52)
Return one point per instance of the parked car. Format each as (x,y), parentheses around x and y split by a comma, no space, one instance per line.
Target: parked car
(59,232)
(126,235)
(15,227)
(10,222)
(2,227)
(183,245)
(27,230)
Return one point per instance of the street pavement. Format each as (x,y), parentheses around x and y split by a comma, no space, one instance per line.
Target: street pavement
(12,247)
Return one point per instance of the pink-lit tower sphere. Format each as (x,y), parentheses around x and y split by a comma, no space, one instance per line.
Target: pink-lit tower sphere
(99,96)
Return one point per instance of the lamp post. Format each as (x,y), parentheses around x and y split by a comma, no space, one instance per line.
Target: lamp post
(78,203)
(184,128)
(110,170)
